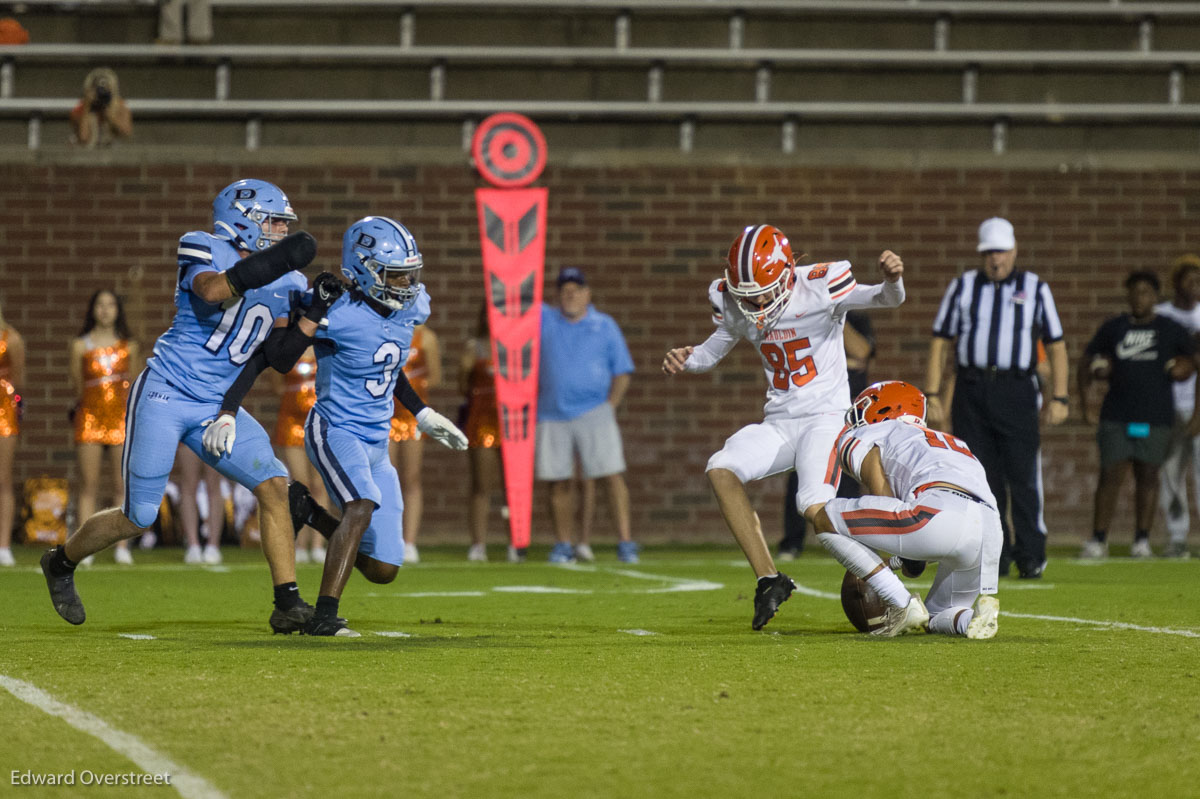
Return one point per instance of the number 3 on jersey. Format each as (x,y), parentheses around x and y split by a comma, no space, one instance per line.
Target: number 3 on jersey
(789,368)
(388,354)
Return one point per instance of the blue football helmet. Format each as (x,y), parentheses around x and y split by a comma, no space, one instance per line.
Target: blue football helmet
(376,248)
(242,213)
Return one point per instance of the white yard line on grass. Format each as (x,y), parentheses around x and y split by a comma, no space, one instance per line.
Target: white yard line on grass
(148,760)
(675,583)
(638,632)
(804,589)
(422,594)
(137,636)
(1116,625)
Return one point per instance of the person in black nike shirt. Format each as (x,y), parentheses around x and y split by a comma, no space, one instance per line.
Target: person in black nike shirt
(1140,353)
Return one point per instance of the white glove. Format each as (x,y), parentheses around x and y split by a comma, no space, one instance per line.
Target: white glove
(219,434)
(441,429)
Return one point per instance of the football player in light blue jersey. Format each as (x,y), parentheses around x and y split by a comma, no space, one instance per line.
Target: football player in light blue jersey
(361,346)
(233,295)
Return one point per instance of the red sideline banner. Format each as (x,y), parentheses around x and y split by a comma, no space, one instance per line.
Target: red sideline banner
(509,151)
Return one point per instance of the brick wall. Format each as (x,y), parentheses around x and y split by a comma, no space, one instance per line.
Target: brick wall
(650,239)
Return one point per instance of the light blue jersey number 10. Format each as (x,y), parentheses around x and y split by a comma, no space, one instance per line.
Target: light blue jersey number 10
(255,327)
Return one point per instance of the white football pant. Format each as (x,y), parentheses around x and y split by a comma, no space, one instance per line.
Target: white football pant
(963,535)
(775,446)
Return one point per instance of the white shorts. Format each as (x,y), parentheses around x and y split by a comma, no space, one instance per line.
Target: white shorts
(963,535)
(594,435)
(779,445)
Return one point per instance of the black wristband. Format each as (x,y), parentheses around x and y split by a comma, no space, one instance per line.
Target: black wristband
(1063,400)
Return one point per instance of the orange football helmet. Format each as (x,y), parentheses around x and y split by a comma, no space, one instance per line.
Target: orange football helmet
(891,399)
(761,274)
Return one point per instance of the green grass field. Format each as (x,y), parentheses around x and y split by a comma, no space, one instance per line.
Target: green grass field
(530,680)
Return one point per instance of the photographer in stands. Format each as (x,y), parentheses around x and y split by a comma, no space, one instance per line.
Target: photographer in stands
(101,113)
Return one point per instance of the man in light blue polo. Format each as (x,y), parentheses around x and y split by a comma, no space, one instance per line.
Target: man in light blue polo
(585,369)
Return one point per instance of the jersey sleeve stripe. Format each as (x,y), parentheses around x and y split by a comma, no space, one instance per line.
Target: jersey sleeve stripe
(195,251)
(839,290)
(835,279)
(847,452)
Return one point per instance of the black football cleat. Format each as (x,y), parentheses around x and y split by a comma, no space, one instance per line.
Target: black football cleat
(62,591)
(770,594)
(1031,571)
(300,504)
(292,620)
(329,626)
(912,568)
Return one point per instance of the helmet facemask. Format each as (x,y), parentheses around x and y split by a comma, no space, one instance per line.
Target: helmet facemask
(761,306)
(397,298)
(262,219)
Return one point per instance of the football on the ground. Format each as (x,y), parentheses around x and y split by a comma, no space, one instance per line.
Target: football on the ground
(865,609)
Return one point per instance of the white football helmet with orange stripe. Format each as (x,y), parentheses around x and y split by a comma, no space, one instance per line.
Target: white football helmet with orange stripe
(761,274)
(891,399)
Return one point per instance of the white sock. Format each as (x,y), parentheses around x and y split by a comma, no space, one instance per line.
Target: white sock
(951,621)
(860,561)
(888,585)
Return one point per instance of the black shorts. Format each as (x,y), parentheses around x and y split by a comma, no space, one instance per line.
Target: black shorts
(1117,445)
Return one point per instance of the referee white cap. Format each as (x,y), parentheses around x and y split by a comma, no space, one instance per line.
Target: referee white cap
(996,234)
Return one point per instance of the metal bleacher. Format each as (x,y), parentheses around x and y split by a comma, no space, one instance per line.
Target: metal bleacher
(981,68)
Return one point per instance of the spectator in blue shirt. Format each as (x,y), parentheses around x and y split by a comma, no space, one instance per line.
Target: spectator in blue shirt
(585,369)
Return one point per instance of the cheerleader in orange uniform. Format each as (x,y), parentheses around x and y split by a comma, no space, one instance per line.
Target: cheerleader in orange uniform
(12,377)
(298,393)
(102,361)
(481,424)
(424,371)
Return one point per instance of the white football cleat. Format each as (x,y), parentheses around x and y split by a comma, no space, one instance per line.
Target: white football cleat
(986,619)
(477,553)
(910,618)
(584,554)
(411,555)
(193,555)
(212,556)
(6,557)
(1094,550)
(302,556)
(1141,549)
(122,556)
(317,554)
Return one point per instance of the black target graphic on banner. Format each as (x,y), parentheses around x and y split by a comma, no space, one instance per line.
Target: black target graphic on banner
(509,150)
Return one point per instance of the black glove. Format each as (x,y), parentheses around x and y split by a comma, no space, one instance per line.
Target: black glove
(326,290)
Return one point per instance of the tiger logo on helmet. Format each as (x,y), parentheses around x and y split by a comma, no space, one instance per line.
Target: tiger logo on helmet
(891,399)
(761,274)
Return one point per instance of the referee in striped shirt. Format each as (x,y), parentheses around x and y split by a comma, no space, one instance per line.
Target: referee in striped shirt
(993,317)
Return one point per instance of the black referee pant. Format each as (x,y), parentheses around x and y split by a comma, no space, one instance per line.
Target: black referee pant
(996,413)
